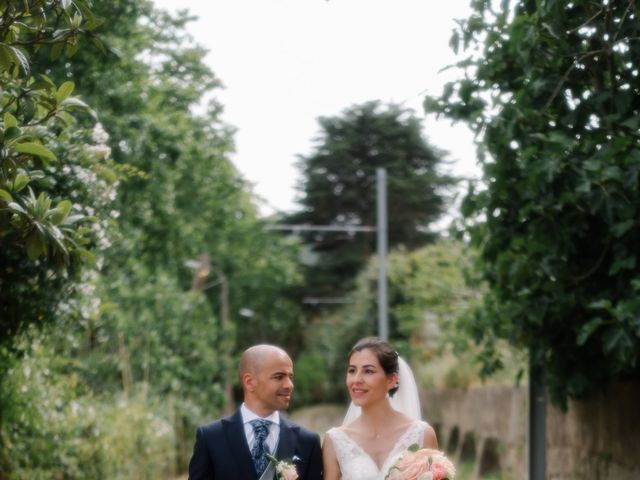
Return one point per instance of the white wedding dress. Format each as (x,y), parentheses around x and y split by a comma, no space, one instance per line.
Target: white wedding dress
(356,464)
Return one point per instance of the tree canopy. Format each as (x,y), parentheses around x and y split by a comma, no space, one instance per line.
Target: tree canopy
(339,187)
(552,91)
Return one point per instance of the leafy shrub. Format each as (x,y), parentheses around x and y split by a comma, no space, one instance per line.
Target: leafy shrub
(53,427)
(312,379)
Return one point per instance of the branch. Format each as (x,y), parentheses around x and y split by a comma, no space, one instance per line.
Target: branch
(624,17)
(573,30)
(566,76)
(559,86)
(595,267)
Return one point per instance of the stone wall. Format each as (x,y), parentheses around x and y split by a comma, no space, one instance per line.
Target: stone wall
(598,439)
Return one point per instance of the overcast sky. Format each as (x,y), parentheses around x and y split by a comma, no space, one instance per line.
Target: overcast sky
(284,63)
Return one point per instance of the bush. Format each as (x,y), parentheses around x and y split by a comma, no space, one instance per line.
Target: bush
(52,427)
(312,379)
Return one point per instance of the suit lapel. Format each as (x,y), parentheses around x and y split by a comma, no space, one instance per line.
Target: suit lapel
(237,441)
(287,441)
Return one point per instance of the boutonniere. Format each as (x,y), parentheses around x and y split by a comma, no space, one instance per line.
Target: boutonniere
(285,469)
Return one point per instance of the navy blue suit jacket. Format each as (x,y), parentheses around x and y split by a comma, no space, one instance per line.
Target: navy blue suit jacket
(221,451)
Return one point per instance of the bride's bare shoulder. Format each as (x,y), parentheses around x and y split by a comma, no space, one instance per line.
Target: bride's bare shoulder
(405,420)
(353,426)
(429,439)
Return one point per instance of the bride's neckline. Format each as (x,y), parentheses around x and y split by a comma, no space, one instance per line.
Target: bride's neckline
(393,448)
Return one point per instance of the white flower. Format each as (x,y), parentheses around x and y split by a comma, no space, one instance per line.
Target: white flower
(99,135)
(99,152)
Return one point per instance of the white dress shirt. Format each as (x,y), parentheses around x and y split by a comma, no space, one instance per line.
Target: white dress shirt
(274,427)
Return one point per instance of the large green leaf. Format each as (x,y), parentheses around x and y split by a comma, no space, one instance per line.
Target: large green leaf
(20,182)
(36,149)
(10,120)
(5,196)
(12,56)
(35,246)
(64,91)
(60,213)
(588,330)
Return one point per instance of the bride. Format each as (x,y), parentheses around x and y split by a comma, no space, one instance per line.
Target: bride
(383,419)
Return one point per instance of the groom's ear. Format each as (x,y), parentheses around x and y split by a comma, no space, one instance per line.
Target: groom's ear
(248,383)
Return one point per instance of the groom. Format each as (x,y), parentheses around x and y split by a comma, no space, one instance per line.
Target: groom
(235,447)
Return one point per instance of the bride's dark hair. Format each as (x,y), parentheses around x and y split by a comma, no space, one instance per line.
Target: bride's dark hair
(385,353)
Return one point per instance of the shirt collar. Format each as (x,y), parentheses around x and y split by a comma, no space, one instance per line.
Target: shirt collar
(248,415)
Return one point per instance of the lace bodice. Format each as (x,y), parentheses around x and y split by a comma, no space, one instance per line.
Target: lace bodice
(354,462)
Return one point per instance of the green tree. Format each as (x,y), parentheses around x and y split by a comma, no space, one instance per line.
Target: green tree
(430,297)
(181,195)
(133,335)
(50,183)
(339,187)
(552,91)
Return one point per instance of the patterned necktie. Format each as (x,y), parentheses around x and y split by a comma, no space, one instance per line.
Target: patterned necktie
(260,448)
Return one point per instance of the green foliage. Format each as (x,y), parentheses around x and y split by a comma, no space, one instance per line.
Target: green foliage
(339,187)
(312,379)
(185,198)
(46,234)
(57,426)
(430,303)
(145,355)
(551,89)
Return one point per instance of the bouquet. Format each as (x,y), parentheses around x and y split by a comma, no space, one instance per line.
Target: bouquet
(285,469)
(422,464)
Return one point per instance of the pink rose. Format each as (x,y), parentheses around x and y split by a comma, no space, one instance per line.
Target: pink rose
(439,471)
(442,467)
(413,471)
(289,473)
(413,465)
(404,461)
(425,453)
(423,464)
